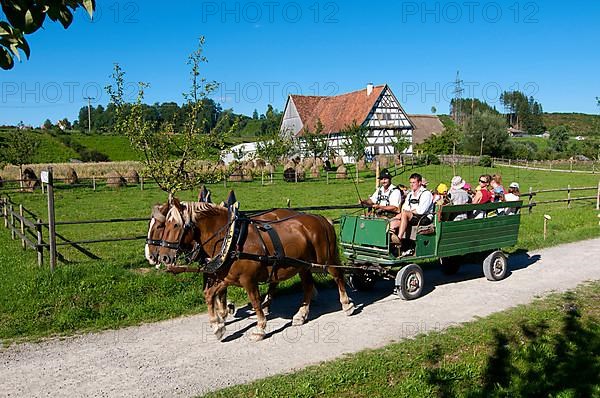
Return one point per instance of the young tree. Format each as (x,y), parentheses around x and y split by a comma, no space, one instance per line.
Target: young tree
(157,143)
(19,149)
(47,124)
(274,147)
(355,142)
(486,134)
(315,143)
(26,17)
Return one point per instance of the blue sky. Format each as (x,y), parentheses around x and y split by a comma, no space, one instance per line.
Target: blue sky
(261,51)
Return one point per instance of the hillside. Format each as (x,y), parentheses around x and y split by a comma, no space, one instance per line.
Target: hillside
(579,123)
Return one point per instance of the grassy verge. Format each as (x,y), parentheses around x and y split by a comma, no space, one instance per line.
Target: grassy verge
(120,289)
(548,348)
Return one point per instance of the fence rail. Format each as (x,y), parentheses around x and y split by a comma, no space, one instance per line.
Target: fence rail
(26,226)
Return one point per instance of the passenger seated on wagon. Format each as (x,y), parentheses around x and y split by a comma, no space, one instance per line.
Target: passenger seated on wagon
(458,196)
(483,194)
(512,196)
(387,198)
(416,210)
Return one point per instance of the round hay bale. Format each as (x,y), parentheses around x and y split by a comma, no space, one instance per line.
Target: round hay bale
(319,162)
(260,164)
(115,180)
(384,161)
(247,175)
(315,172)
(289,165)
(308,163)
(289,175)
(30,179)
(341,173)
(132,177)
(72,176)
(236,175)
(361,165)
(338,161)
(301,173)
(269,169)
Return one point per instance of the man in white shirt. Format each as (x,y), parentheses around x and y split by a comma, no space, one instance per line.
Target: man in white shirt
(417,208)
(387,198)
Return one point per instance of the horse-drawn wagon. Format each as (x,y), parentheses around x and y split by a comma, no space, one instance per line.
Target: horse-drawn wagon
(372,253)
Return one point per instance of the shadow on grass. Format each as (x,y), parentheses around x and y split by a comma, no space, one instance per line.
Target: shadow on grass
(535,361)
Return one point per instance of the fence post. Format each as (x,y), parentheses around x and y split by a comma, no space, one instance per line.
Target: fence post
(262,177)
(42,186)
(51,220)
(94,182)
(5,212)
(141,183)
(569,196)
(327,172)
(40,242)
(22,227)
(530,199)
(598,197)
(12,222)
(271,173)
(571,166)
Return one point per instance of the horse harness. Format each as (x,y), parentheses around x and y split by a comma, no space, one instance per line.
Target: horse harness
(233,244)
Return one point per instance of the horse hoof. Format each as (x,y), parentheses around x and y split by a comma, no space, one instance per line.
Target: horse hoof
(231,308)
(349,309)
(266,310)
(258,335)
(220,332)
(298,320)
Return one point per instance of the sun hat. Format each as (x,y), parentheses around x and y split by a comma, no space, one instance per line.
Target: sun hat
(457,182)
(467,186)
(442,188)
(514,185)
(385,174)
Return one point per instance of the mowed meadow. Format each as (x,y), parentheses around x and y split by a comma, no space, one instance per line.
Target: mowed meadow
(121,289)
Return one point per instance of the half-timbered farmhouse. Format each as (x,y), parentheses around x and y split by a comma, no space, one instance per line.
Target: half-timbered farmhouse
(376,108)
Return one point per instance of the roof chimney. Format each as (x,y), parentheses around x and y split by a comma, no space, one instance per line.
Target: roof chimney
(369,89)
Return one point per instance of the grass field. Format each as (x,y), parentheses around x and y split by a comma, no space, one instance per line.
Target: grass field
(116,147)
(121,290)
(550,348)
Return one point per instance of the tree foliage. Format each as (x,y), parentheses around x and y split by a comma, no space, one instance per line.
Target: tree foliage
(523,112)
(355,141)
(274,147)
(156,142)
(19,149)
(449,141)
(315,143)
(559,138)
(26,17)
(492,129)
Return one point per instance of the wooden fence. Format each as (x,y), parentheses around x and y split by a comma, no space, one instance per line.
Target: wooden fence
(32,230)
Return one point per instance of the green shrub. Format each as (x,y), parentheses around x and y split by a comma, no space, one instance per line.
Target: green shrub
(485,161)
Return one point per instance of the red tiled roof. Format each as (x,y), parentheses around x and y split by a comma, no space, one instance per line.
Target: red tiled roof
(336,112)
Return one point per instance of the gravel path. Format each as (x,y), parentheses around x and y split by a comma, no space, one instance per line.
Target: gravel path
(181,357)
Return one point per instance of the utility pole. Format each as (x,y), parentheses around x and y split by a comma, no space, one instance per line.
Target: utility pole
(89,100)
(458,91)
(481,148)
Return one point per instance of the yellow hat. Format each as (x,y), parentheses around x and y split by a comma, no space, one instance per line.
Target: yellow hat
(442,188)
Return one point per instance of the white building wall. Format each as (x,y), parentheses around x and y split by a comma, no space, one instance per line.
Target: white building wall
(291,123)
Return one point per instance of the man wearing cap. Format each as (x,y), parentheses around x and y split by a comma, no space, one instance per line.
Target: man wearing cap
(387,198)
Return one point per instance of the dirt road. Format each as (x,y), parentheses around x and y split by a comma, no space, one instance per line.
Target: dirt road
(181,357)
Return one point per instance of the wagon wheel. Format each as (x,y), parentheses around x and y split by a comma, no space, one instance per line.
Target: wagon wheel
(495,266)
(409,282)
(362,280)
(450,265)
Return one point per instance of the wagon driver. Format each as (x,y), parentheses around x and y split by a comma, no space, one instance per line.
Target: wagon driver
(387,198)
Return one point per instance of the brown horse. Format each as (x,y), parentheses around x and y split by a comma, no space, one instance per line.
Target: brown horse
(306,237)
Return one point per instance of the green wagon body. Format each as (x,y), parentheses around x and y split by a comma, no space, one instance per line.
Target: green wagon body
(366,239)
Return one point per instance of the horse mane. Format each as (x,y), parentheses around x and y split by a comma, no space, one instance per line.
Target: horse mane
(194,211)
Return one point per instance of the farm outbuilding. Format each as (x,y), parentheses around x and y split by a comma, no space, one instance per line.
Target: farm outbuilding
(375,108)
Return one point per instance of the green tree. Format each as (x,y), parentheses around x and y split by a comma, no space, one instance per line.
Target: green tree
(19,149)
(448,142)
(400,143)
(559,138)
(274,147)
(26,17)
(355,142)
(47,124)
(315,143)
(486,134)
(157,143)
